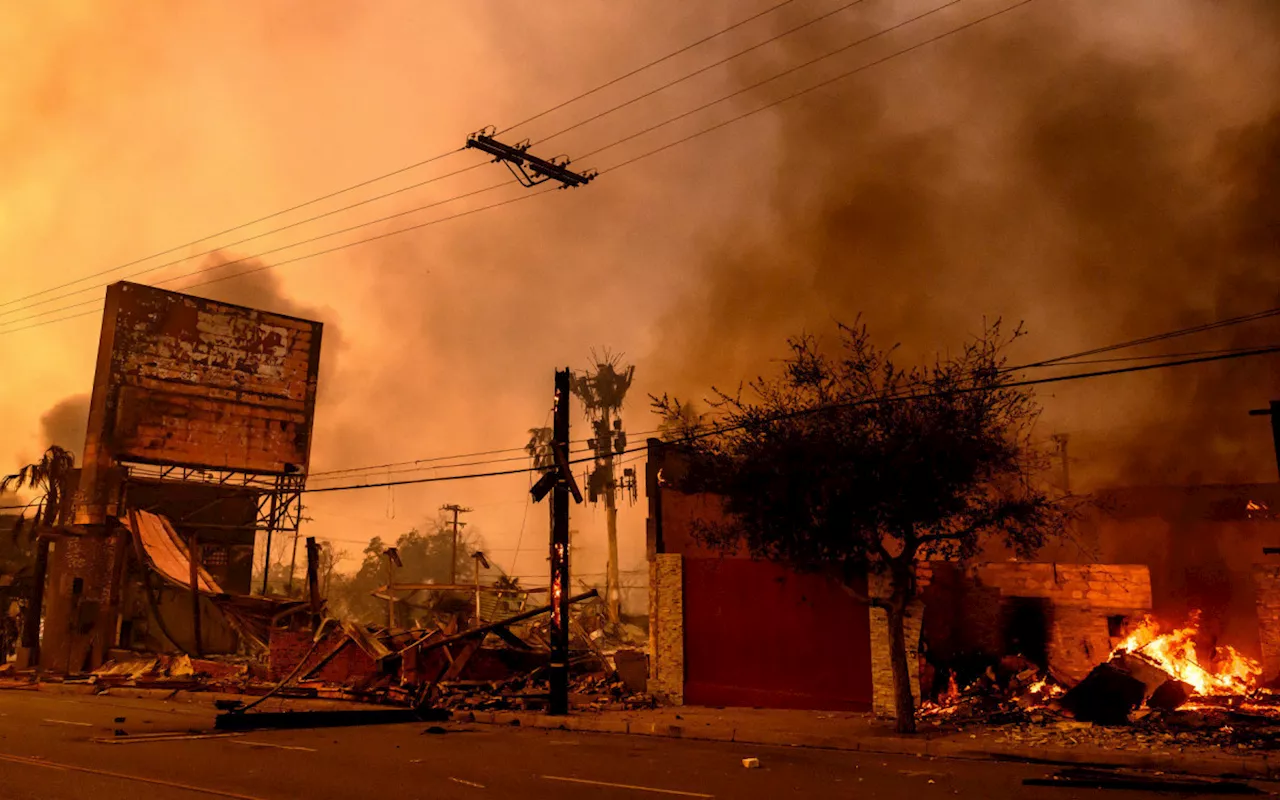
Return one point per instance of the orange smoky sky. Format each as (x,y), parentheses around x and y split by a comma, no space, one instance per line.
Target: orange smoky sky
(1097,170)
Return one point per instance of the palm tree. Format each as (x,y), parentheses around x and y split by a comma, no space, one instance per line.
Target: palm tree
(52,475)
(539,448)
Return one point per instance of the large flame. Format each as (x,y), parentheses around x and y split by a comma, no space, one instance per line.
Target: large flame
(1229,672)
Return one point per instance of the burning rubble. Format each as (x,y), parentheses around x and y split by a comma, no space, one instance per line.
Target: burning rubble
(1154,683)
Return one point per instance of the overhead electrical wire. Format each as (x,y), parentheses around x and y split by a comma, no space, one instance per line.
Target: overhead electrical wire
(305,256)
(241,226)
(606,147)
(649,65)
(801,92)
(255,256)
(701,70)
(721,430)
(246,240)
(393,173)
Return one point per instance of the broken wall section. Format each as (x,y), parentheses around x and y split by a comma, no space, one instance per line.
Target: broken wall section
(1063,617)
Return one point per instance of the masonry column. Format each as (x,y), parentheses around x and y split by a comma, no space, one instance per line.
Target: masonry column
(666,627)
(1266,578)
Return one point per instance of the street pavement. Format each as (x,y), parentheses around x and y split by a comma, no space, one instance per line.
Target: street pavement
(55,747)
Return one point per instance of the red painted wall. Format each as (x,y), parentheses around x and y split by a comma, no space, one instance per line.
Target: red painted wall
(759,634)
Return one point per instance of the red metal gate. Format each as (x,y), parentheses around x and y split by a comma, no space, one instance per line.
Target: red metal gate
(759,635)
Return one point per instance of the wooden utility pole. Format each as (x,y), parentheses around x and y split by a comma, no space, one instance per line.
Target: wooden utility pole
(313,580)
(393,561)
(193,556)
(480,561)
(558,667)
(453,556)
(1274,412)
(1060,439)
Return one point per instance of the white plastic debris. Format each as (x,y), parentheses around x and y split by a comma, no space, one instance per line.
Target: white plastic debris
(751,763)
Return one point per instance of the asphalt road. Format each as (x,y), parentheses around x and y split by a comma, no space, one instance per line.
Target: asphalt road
(51,749)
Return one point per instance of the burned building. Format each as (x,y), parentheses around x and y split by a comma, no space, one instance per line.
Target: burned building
(201,416)
(712,613)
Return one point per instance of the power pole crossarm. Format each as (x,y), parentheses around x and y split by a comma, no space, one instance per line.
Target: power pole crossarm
(522,163)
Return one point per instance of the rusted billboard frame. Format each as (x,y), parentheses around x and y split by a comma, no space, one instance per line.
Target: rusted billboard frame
(109,465)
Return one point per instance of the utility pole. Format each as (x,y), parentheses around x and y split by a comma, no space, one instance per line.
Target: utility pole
(453,557)
(193,559)
(393,561)
(1274,412)
(528,169)
(560,483)
(313,581)
(480,561)
(1060,439)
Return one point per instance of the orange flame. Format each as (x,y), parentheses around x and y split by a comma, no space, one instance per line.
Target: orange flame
(1175,652)
(953,691)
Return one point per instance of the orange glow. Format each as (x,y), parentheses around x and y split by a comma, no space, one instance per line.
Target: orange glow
(1228,673)
(953,691)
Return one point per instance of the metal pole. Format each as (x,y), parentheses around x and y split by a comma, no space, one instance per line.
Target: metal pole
(391,598)
(194,558)
(558,665)
(477,573)
(272,520)
(453,554)
(313,580)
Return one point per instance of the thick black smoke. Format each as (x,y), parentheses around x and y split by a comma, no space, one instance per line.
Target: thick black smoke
(1046,167)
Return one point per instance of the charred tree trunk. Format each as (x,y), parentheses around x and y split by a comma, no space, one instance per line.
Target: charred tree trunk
(900,594)
(903,701)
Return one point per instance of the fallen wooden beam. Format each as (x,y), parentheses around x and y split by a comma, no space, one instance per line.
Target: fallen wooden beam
(423,645)
(325,719)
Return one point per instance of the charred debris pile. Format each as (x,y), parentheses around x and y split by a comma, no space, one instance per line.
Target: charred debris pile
(446,663)
(1152,691)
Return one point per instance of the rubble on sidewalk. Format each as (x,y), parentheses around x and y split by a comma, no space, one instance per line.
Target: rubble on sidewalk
(1150,694)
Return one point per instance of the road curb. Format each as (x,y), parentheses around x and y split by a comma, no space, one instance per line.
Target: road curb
(1211,766)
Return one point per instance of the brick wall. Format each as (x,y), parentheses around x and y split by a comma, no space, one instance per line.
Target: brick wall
(1083,597)
(350,666)
(1266,579)
(666,627)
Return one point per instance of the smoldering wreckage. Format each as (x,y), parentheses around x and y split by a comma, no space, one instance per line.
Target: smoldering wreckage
(199,438)
(198,446)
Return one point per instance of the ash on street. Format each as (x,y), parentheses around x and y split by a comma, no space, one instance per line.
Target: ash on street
(48,752)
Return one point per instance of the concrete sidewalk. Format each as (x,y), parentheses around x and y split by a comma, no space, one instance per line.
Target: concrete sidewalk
(863,733)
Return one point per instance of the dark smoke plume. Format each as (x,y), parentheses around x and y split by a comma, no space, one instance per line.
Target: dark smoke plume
(65,424)
(1041,167)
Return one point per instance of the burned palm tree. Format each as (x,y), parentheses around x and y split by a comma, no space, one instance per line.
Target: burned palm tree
(53,475)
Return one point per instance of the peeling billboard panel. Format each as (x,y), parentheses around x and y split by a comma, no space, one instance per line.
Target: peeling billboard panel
(189,382)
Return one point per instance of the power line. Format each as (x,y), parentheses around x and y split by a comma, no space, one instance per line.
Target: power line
(616,166)
(395,172)
(239,242)
(243,259)
(702,70)
(1160,337)
(307,255)
(721,430)
(653,63)
(801,92)
(273,215)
